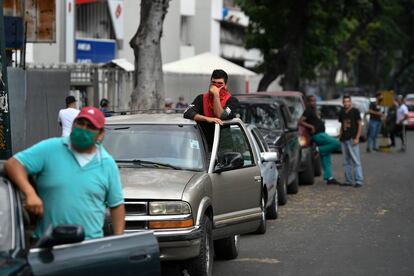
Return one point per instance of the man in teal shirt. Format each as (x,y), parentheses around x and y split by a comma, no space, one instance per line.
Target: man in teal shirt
(76,179)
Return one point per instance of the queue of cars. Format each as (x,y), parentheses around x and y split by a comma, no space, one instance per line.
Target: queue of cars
(186,199)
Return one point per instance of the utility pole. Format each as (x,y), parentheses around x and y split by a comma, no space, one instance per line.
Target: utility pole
(5,135)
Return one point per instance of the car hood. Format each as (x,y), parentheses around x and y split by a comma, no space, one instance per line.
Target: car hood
(145,183)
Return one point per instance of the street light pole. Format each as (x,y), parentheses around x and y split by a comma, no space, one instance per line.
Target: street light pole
(5,136)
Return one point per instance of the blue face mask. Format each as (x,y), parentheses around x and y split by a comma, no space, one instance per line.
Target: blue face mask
(82,138)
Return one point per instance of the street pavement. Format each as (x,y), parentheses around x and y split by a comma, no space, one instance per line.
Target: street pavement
(333,230)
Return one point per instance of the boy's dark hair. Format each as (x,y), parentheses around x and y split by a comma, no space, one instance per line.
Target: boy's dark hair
(104,103)
(219,74)
(346,97)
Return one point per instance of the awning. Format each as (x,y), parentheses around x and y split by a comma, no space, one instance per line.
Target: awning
(204,64)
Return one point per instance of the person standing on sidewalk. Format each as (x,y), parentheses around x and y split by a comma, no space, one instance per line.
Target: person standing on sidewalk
(402,116)
(67,115)
(374,126)
(351,126)
(326,143)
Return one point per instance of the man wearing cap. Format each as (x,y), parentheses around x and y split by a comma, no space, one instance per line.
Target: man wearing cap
(76,179)
(67,115)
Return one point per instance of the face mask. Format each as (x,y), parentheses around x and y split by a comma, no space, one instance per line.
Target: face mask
(82,139)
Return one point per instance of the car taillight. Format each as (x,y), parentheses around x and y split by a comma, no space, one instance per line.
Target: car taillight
(303,141)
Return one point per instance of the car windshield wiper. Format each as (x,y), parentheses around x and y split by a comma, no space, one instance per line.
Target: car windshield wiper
(145,163)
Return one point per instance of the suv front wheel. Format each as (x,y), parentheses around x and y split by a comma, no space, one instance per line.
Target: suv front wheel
(202,265)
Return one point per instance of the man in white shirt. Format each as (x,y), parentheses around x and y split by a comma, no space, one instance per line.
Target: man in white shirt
(67,115)
(402,115)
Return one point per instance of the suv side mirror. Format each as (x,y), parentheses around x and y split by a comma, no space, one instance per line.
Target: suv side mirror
(229,161)
(62,234)
(269,156)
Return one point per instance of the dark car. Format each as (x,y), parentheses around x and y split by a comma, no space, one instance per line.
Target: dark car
(62,251)
(310,164)
(273,119)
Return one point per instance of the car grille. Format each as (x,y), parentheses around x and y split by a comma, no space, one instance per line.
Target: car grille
(135,208)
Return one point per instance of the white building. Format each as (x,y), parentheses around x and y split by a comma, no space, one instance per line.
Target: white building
(100,30)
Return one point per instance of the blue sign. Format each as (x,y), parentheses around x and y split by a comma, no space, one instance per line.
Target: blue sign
(95,50)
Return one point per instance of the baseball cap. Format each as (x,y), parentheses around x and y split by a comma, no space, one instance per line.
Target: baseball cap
(94,115)
(70,99)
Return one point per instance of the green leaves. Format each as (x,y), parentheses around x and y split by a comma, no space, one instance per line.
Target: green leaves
(331,35)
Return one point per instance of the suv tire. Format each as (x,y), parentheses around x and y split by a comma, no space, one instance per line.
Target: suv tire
(282,191)
(307,176)
(272,210)
(293,188)
(262,228)
(227,248)
(202,265)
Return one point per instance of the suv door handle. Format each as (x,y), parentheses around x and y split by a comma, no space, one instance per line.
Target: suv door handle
(257,178)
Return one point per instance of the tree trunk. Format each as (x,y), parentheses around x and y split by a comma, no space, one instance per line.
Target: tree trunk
(148,90)
(288,61)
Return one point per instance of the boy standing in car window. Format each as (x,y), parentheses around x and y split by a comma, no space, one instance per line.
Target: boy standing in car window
(326,144)
(213,106)
(76,179)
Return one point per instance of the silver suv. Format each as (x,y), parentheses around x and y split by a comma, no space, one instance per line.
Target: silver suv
(188,194)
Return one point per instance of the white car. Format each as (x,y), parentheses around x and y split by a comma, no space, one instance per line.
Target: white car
(328,112)
(410,97)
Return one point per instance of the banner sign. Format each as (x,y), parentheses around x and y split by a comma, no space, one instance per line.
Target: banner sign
(95,50)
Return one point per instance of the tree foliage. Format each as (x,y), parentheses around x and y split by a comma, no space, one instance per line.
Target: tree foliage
(370,40)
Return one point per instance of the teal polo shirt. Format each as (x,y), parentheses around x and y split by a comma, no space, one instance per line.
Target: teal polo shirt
(72,194)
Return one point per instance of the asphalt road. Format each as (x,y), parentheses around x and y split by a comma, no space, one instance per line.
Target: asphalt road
(333,230)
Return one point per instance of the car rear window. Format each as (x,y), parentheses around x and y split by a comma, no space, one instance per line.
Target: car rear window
(260,115)
(295,106)
(329,112)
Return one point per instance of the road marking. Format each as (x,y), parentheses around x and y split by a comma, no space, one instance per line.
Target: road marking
(381,212)
(258,260)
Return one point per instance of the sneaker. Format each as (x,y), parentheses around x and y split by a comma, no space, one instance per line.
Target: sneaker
(368,150)
(345,184)
(332,181)
(358,185)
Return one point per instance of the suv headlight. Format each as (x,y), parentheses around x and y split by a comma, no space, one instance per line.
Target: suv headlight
(169,208)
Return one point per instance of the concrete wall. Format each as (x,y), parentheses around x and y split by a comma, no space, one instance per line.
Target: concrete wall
(36,96)
(50,53)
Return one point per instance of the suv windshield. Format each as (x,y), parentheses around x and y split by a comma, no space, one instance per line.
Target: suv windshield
(260,115)
(173,146)
(5,218)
